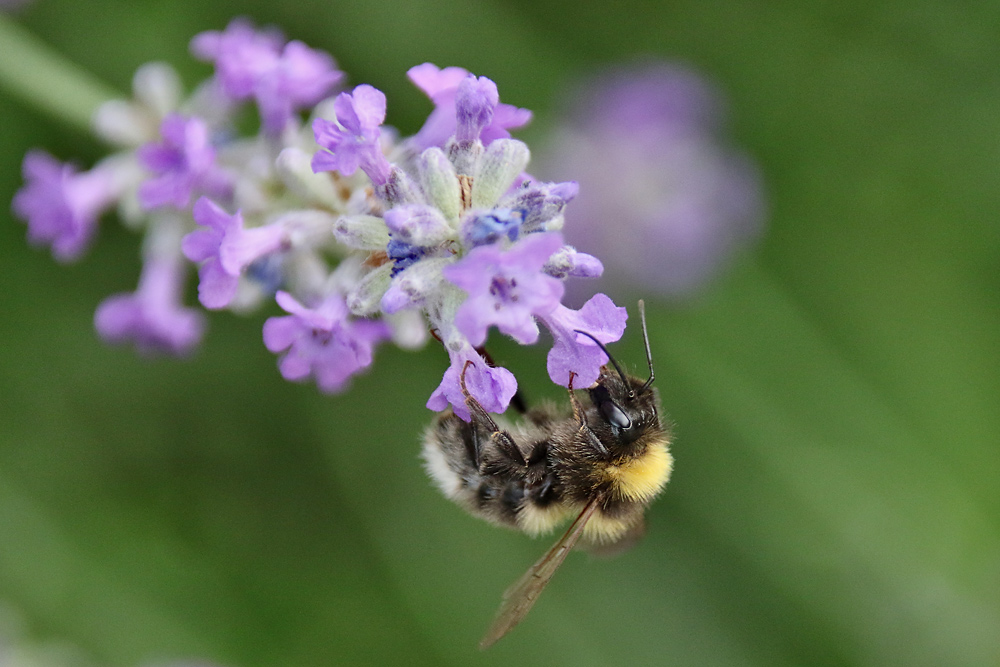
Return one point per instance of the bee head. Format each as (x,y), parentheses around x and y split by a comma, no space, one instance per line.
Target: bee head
(625,403)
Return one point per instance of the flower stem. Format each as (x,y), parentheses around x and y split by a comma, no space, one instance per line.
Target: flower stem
(43,79)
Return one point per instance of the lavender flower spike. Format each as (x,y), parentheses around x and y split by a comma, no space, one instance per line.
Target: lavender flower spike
(225,249)
(183,163)
(353,141)
(451,235)
(61,204)
(323,342)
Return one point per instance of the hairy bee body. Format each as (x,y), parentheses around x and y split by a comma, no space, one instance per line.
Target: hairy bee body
(600,462)
(536,473)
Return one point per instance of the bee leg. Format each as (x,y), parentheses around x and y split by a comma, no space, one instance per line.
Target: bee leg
(581,418)
(472,447)
(504,442)
(578,414)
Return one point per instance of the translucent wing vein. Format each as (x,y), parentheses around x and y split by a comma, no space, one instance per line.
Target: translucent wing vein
(520,598)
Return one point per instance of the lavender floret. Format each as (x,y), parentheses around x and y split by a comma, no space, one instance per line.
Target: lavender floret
(442,86)
(61,204)
(506,288)
(353,141)
(322,342)
(152,317)
(183,163)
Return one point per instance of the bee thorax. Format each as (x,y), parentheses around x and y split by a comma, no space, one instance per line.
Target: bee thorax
(640,478)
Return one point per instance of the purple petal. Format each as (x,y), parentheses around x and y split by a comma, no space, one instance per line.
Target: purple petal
(216,287)
(435,82)
(209,214)
(300,77)
(505,117)
(355,141)
(474,104)
(201,244)
(475,271)
(325,160)
(491,387)
(294,367)
(241,55)
(280,332)
(573,352)
(369,106)
(241,247)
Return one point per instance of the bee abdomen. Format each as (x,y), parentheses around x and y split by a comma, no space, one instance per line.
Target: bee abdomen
(471,469)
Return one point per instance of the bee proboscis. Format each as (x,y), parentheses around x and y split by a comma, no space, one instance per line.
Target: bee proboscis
(601,463)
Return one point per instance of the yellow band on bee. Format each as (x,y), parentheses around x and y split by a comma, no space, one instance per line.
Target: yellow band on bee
(645,476)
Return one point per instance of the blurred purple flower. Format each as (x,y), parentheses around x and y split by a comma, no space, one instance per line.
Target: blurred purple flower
(183,164)
(492,386)
(662,196)
(323,342)
(442,86)
(242,55)
(300,78)
(281,77)
(506,288)
(152,317)
(353,141)
(61,205)
(225,249)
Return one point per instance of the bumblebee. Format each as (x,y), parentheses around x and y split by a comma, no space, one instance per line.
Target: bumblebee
(600,461)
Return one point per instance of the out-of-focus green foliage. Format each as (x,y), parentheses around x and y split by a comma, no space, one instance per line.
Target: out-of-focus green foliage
(836,395)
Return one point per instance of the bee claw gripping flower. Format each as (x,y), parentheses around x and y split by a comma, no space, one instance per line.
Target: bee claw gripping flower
(358,234)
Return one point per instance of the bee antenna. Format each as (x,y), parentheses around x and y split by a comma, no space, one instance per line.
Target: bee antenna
(621,373)
(645,340)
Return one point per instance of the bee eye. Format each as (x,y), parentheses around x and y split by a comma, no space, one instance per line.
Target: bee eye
(615,416)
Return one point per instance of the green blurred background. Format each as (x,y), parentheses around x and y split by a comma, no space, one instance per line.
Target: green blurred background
(836,393)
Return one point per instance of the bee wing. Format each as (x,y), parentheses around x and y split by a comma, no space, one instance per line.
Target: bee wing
(520,598)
